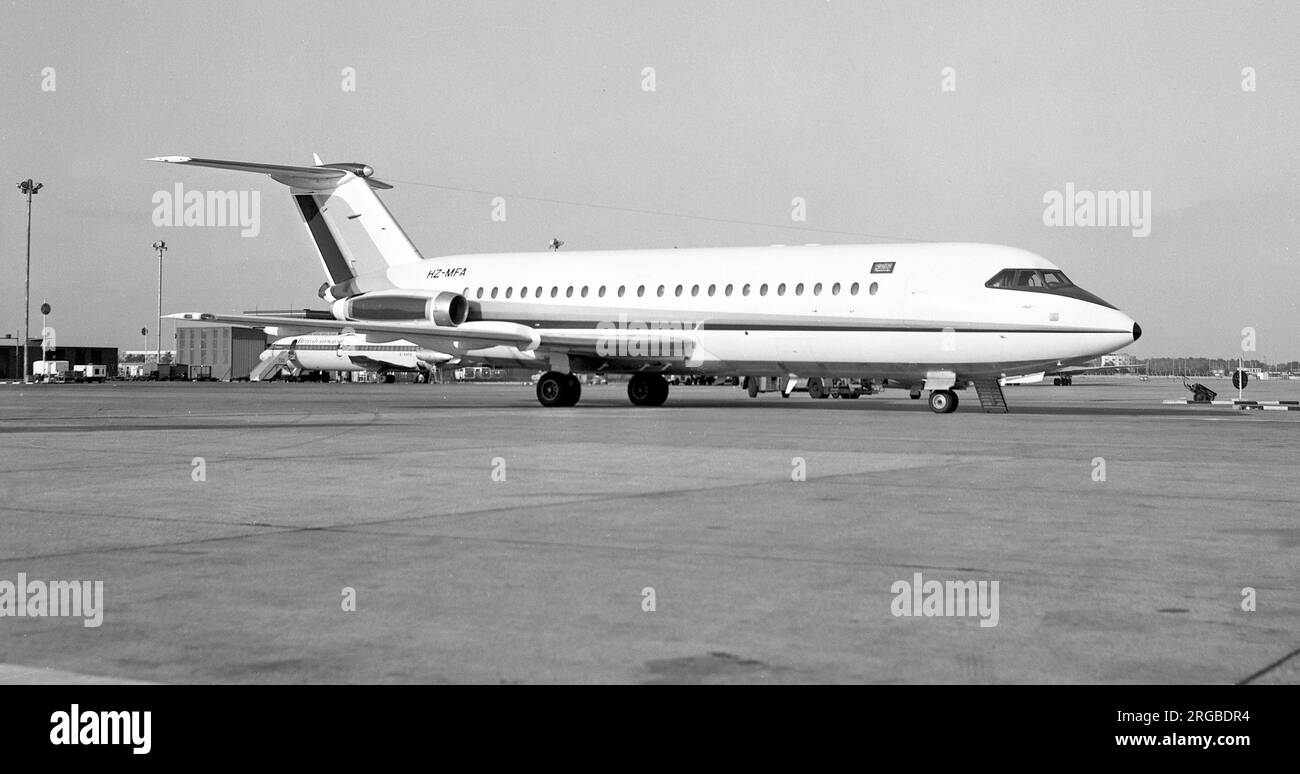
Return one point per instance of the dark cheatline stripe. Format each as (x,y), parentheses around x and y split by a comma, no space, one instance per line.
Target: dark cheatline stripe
(335,264)
(475,316)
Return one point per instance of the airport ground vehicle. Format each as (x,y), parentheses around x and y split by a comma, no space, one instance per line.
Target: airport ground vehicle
(169,372)
(89,373)
(51,370)
(817,387)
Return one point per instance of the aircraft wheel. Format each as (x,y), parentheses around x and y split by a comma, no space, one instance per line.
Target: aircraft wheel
(557,389)
(914,394)
(647,390)
(574,391)
(751,385)
(943,401)
(1056,382)
(816,389)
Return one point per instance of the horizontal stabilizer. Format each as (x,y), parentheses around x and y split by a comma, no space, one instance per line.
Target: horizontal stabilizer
(323,176)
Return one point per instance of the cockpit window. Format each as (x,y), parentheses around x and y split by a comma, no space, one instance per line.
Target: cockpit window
(1052,281)
(1030,279)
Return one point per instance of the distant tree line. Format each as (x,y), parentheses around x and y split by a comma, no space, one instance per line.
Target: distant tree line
(1204,366)
(166,358)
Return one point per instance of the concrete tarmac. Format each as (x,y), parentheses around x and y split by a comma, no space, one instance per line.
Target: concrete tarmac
(486,539)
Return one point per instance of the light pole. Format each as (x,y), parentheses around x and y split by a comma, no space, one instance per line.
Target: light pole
(29,189)
(45,339)
(160,246)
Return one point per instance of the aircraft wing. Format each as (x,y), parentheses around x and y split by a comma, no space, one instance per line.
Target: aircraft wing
(459,338)
(621,342)
(652,344)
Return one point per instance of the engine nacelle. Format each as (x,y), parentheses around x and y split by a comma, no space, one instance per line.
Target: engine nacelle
(445,309)
(360,170)
(432,357)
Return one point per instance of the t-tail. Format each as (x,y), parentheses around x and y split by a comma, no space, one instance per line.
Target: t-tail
(354,233)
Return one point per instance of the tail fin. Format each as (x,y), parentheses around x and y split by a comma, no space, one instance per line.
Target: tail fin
(353,231)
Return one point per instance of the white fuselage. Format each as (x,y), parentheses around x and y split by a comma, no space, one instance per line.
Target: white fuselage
(881,311)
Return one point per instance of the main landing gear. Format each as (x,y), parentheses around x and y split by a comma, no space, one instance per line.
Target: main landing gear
(557,389)
(647,390)
(943,401)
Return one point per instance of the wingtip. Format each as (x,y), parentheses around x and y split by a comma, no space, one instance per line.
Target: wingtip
(170,159)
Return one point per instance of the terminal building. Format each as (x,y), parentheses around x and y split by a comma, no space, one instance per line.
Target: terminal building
(221,352)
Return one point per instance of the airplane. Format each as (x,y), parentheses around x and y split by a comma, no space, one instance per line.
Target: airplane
(939,317)
(321,351)
(1065,376)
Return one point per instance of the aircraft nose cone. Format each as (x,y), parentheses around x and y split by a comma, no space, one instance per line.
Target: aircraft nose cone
(1137,331)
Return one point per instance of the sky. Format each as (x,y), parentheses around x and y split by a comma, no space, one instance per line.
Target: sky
(890,120)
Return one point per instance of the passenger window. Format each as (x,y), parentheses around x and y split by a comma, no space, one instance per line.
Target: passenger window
(584,291)
(601,292)
(480,293)
(661,291)
(817,289)
(780,289)
(853,289)
(874,287)
(679,291)
(494,292)
(569,293)
(728,290)
(555,291)
(798,289)
(762,289)
(523,292)
(509,291)
(640,291)
(695,290)
(712,289)
(835,289)
(745,292)
(621,290)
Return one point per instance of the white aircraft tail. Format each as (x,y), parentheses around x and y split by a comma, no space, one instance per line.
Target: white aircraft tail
(353,231)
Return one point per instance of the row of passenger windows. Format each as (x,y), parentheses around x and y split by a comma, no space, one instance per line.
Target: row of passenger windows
(712,290)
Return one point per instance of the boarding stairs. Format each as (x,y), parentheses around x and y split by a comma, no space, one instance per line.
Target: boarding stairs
(269,367)
(991,398)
